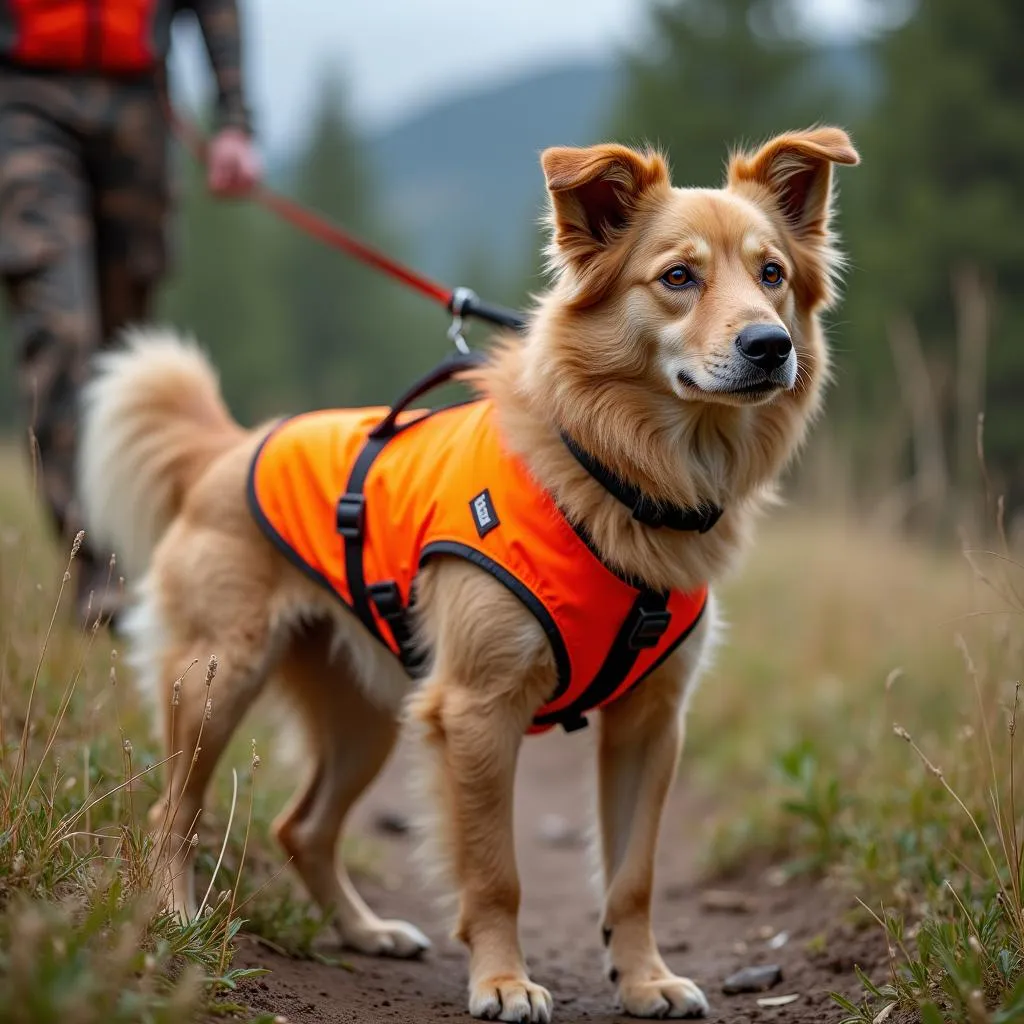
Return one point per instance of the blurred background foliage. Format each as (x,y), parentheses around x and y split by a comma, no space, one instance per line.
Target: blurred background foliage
(927,334)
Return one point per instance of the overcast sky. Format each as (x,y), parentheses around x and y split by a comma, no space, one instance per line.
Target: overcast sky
(397,55)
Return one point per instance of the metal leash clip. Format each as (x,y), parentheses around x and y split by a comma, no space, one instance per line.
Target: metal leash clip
(461,298)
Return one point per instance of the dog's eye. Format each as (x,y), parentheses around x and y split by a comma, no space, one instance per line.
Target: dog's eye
(772,275)
(678,276)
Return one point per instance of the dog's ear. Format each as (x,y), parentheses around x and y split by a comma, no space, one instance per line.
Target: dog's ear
(795,170)
(791,176)
(594,191)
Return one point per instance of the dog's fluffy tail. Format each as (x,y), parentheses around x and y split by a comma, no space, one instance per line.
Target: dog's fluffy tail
(153,419)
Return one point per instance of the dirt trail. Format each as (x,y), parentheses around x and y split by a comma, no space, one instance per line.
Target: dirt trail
(559,918)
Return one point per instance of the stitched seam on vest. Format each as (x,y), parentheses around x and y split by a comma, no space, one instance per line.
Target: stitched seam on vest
(529,599)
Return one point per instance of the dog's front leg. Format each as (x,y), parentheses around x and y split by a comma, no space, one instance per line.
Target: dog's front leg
(640,742)
(476,737)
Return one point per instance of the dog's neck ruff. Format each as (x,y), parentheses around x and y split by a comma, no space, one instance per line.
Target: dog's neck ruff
(644,509)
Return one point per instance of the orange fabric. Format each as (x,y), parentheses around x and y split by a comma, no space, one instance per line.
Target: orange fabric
(420,492)
(111,35)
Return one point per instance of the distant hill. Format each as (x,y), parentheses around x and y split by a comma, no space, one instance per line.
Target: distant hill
(460,180)
(464,176)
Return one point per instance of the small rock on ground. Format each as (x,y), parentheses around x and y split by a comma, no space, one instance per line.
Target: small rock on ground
(752,979)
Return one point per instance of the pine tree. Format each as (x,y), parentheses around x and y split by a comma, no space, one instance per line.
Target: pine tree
(938,199)
(717,73)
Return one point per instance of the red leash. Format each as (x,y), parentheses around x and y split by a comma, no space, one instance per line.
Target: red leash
(318,227)
(461,302)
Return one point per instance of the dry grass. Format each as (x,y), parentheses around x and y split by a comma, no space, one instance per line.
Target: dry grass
(83,933)
(820,617)
(847,645)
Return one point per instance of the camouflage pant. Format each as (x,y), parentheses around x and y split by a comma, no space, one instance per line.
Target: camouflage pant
(84,197)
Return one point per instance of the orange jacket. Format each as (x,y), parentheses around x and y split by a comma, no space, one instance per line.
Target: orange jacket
(110,35)
(117,37)
(122,39)
(442,484)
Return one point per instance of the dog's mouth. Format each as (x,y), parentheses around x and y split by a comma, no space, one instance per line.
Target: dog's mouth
(764,385)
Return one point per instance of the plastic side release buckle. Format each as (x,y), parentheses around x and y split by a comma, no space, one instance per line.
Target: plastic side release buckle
(649,629)
(350,515)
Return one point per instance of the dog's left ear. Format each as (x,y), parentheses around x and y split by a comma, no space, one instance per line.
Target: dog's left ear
(796,171)
(594,192)
(791,177)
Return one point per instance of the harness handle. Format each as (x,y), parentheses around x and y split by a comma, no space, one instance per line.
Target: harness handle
(441,374)
(465,302)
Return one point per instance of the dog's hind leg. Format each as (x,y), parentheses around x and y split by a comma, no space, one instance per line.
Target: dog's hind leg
(350,739)
(199,724)
(173,633)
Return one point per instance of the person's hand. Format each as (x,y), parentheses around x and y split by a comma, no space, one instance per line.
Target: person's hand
(234,165)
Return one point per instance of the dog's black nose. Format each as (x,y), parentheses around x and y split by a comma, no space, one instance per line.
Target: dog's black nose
(767,346)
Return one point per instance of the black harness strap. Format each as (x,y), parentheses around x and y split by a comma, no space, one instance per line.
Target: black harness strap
(441,374)
(645,510)
(643,627)
(387,599)
(350,517)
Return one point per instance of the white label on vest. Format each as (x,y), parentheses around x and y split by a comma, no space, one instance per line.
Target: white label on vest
(484,516)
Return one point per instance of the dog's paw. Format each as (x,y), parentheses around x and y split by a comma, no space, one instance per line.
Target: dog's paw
(667,996)
(510,997)
(389,938)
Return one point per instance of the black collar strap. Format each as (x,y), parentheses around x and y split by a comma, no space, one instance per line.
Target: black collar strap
(645,510)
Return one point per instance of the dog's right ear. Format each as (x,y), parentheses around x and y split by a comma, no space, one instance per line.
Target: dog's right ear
(594,191)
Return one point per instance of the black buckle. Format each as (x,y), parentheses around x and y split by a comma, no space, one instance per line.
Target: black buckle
(350,515)
(574,724)
(387,599)
(648,629)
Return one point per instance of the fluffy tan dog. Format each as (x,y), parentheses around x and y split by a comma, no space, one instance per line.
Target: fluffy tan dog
(679,348)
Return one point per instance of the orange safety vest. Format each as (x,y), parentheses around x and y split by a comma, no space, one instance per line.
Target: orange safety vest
(117,36)
(404,487)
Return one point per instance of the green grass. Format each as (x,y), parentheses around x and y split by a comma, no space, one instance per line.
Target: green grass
(837,635)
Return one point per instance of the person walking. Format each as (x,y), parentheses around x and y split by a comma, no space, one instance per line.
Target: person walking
(85,197)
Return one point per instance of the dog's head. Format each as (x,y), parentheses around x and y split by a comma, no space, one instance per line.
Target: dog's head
(708,292)
(675,307)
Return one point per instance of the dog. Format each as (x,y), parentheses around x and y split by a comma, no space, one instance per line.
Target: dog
(663,382)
